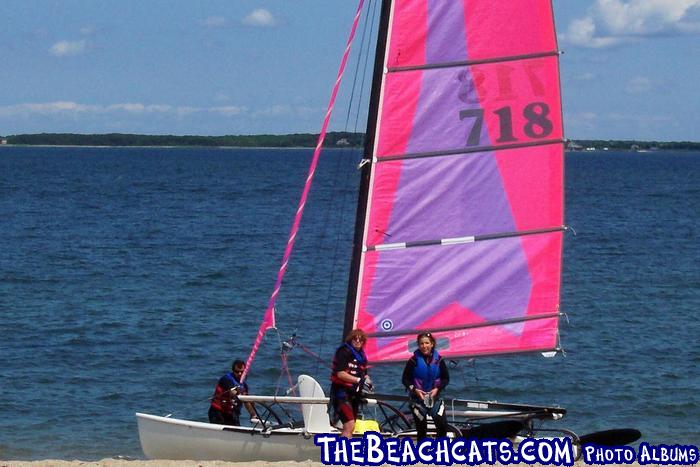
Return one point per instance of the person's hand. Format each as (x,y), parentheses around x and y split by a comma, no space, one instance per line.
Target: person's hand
(420,393)
(434,392)
(365,385)
(234,391)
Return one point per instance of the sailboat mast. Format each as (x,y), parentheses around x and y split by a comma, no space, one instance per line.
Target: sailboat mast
(366,170)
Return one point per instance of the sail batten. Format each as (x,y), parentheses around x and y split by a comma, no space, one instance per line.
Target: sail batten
(413,332)
(466,151)
(398,69)
(461,240)
(467,147)
(469,356)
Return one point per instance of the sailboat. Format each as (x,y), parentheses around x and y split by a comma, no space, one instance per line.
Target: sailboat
(459,227)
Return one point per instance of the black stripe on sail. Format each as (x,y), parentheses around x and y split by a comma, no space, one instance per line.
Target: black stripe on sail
(513,58)
(500,322)
(462,151)
(461,240)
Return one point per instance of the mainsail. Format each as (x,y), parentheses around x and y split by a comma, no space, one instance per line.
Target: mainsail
(461,223)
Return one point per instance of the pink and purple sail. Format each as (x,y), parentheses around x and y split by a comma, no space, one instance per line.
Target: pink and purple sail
(464,221)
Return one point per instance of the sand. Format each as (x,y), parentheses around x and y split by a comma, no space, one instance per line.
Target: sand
(151,463)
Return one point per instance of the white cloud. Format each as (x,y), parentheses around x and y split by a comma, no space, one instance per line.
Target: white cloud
(134,108)
(583,32)
(229,110)
(184,111)
(47,108)
(214,22)
(260,17)
(611,22)
(275,111)
(66,48)
(159,118)
(639,85)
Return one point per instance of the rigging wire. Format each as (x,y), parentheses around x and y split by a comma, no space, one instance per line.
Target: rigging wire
(335,205)
(367,55)
(269,317)
(284,346)
(357,67)
(364,49)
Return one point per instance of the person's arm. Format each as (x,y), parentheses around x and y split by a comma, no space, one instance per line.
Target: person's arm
(224,390)
(407,377)
(251,410)
(444,374)
(342,362)
(347,377)
(249,406)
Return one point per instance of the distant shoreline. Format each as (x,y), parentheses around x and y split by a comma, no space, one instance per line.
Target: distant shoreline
(300,140)
(325,148)
(158,147)
(289,141)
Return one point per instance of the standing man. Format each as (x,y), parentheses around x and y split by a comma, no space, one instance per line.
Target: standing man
(225,408)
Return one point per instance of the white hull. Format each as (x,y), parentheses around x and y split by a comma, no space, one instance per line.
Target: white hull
(170,438)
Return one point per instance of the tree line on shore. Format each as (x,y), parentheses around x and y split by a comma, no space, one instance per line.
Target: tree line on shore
(333,139)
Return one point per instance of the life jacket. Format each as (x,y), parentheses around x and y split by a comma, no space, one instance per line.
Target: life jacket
(223,400)
(426,375)
(356,367)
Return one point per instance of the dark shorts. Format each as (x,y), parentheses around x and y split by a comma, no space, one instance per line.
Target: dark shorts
(220,418)
(345,406)
(345,410)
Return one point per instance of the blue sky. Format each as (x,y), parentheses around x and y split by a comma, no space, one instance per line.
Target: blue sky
(630,68)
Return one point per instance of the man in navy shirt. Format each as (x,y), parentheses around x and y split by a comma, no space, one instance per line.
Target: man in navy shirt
(225,408)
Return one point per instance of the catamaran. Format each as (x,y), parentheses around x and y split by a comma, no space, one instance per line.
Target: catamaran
(459,227)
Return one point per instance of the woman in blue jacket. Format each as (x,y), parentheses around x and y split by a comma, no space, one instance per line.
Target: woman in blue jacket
(425,377)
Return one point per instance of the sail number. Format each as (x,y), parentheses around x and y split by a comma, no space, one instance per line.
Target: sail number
(537,123)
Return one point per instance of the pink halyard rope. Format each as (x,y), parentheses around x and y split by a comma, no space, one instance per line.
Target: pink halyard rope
(269,317)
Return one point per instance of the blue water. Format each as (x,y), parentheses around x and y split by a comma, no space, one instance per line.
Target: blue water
(129,279)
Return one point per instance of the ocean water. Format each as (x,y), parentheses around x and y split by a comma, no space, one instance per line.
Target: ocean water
(131,277)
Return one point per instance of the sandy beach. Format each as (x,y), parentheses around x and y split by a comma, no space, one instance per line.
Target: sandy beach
(167,463)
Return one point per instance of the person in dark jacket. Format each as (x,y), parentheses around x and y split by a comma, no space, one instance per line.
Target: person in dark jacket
(425,376)
(349,379)
(225,408)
